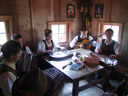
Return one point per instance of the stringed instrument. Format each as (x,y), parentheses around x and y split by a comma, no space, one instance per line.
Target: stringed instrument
(86,43)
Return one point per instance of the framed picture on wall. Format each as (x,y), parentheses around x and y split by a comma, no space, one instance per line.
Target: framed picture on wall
(99,10)
(70,11)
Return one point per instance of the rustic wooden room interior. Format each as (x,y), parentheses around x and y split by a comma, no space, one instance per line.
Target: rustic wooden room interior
(66,19)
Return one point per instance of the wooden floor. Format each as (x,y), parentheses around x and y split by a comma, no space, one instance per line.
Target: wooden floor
(93,91)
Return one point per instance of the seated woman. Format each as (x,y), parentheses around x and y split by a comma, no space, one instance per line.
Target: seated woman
(45,47)
(11,53)
(108,46)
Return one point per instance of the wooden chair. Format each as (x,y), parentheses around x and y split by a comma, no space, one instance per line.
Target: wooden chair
(27,58)
(116,79)
(34,62)
(1,56)
(28,62)
(116,76)
(58,79)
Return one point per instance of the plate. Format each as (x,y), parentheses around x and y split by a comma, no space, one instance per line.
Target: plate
(61,55)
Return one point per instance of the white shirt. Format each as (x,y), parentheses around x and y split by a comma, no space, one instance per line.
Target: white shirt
(42,47)
(28,50)
(74,41)
(7,79)
(116,46)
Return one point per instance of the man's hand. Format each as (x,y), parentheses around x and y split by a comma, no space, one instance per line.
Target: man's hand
(112,56)
(81,46)
(99,52)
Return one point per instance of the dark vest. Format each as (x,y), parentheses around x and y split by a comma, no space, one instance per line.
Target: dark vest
(5,68)
(23,49)
(108,49)
(80,40)
(46,46)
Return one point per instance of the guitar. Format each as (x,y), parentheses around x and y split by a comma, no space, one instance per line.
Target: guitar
(86,43)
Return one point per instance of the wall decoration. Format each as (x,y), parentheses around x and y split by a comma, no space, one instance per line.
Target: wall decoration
(70,11)
(85,7)
(99,10)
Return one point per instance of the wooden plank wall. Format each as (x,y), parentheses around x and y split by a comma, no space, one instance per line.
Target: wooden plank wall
(3,7)
(30,17)
(115,11)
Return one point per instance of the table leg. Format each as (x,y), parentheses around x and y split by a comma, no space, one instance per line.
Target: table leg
(75,88)
(106,82)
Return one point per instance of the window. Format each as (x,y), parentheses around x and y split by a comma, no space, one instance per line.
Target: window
(5,28)
(3,37)
(60,32)
(117,28)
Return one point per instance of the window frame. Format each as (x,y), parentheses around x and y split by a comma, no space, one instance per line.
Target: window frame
(8,25)
(68,30)
(102,23)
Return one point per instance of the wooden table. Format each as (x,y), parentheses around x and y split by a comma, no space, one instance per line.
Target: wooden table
(76,76)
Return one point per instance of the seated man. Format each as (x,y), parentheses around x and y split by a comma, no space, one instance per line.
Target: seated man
(18,38)
(79,38)
(11,53)
(34,83)
(37,83)
(108,46)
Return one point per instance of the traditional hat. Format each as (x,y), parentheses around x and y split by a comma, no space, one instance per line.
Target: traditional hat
(34,82)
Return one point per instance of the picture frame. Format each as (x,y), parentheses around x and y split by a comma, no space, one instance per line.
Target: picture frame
(99,10)
(70,11)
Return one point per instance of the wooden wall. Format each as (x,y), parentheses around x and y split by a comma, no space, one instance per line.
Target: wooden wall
(4,7)
(30,17)
(115,11)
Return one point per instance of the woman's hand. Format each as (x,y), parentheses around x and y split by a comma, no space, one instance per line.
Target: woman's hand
(49,51)
(58,49)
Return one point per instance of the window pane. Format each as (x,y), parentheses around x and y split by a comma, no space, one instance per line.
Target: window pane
(55,38)
(62,28)
(59,33)
(115,29)
(107,27)
(2,27)
(116,33)
(62,37)
(54,29)
(3,38)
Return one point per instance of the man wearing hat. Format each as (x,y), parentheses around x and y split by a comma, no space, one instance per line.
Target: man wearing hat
(34,83)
